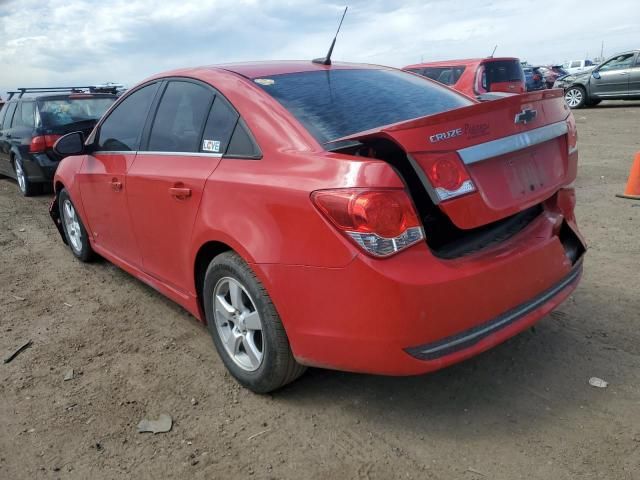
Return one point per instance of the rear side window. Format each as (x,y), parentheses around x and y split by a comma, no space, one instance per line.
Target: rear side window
(122,129)
(7,119)
(576,64)
(220,125)
(24,116)
(3,113)
(444,75)
(180,118)
(335,103)
(242,144)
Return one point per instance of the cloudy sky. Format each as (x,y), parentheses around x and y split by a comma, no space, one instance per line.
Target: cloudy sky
(56,42)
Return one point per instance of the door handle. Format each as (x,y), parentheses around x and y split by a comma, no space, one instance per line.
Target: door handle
(181,193)
(116,185)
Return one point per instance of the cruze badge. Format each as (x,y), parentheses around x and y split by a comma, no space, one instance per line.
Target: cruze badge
(438,137)
(525,116)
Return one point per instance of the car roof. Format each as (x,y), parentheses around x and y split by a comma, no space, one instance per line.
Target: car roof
(268,68)
(463,61)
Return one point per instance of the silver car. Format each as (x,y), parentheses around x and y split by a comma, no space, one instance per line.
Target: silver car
(618,78)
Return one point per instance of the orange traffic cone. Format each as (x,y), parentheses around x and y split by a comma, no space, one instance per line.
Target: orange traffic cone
(633,184)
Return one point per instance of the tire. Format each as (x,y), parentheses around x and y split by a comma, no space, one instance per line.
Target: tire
(256,353)
(575,96)
(592,103)
(74,230)
(26,187)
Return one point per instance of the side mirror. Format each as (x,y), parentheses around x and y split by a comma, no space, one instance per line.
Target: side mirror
(71,144)
(596,75)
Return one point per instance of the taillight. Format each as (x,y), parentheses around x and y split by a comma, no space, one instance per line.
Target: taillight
(41,143)
(447,174)
(381,222)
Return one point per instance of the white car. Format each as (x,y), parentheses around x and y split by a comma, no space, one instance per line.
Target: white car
(576,66)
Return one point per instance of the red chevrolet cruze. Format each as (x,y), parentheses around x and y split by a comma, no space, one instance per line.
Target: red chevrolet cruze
(349,216)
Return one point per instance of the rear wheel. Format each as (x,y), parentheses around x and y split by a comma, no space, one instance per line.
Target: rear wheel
(27,188)
(74,230)
(575,97)
(592,103)
(245,327)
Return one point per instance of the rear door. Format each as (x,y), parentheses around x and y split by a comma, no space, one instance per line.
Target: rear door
(614,77)
(5,125)
(634,78)
(102,178)
(185,142)
(21,130)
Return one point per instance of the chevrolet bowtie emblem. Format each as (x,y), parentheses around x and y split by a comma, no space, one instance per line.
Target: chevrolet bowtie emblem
(525,116)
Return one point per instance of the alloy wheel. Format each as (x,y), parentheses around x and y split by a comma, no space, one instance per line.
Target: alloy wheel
(573,97)
(238,323)
(22,181)
(72,225)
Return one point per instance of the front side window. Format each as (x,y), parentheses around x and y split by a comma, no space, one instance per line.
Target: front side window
(180,118)
(618,63)
(576,64)
(336,103)
(122,129)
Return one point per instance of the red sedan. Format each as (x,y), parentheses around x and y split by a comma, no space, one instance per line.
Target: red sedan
(353,217)
(477,76)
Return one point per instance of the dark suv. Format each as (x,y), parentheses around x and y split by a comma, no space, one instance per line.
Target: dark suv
(30,124)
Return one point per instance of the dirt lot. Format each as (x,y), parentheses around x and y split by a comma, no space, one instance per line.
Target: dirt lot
(523,410)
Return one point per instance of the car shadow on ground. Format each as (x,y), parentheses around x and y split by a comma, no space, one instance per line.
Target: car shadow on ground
(519,382)
(615,104)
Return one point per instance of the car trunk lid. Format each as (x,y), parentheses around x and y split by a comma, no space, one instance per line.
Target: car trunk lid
(515,150)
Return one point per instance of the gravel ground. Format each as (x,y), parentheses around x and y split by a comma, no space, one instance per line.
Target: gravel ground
(523,410)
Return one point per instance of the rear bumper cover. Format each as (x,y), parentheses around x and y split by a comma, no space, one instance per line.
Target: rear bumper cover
(39,167)
(468,338)
(377,316)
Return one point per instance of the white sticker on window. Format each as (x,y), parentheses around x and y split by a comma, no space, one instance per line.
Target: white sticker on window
(264,81)
(211,146)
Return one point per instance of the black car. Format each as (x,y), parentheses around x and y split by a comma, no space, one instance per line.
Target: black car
(33,119)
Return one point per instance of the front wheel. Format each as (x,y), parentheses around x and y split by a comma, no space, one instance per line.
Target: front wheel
(245,327)
(74,230)
(575,97)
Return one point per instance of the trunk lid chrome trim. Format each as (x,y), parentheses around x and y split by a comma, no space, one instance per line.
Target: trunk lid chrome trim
(512,143)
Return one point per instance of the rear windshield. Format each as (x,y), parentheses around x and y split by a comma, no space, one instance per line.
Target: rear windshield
(63,111)
(503,71)
(444,75)
(335,103)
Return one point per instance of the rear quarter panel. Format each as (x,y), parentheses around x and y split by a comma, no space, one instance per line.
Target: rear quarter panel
(262,208)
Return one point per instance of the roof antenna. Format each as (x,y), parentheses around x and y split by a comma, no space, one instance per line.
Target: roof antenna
(494,51)
(327,60)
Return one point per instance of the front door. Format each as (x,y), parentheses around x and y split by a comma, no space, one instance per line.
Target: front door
(611,79)
(102,178)
(190,131)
